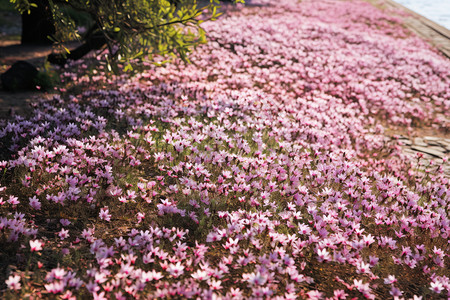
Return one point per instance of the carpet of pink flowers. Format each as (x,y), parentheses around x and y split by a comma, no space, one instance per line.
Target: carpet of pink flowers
(259,170)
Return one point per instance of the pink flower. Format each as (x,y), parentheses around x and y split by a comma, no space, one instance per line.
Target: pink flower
(13,282)
(437,287)
(362,267)
(213,237)
(235,293)
(64,222)
(63,234)
(100,296)
(151,275)
(13,200)
(35,245)
(323,254)
(390,279)
(140,216)
(255,278)
(340,294)
(57,273)
(200,275)
(34,202)
(176,270)
(373,260)
(438,252)
(215,284)
(55,287)
(395,292)
(364,288)
(104,214)
(314,295)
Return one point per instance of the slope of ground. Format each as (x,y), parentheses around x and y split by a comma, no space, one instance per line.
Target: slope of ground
(260,170)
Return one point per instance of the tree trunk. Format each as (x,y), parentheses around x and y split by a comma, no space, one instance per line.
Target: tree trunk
(92,42)
(38,24)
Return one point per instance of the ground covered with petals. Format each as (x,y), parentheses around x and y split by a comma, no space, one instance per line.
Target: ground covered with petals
(260,170)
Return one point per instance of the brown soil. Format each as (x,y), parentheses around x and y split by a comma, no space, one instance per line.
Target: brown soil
(12,103)
(10,52)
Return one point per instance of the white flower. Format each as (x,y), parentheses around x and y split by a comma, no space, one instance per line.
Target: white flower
(13,282)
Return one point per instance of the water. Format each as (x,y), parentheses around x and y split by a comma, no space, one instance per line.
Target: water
(435,10)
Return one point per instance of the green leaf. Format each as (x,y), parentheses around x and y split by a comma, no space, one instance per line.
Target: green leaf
(128,67)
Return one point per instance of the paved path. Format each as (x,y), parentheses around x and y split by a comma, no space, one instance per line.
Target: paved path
(436,34)
(434,152)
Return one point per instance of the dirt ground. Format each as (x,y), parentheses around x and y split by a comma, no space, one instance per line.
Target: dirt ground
(10,52)
(12,103)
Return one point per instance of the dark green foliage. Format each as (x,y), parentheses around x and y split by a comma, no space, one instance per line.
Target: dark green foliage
(131,29)
(46,79)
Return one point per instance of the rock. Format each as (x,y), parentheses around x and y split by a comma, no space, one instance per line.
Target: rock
(424,162)
(437,148)
(438,161)
(447,170)
(410,152)
(428,150)
(428,156)
(20,76)
(419,142)
(405,141)
(431,138)
(433,143)
(445,145)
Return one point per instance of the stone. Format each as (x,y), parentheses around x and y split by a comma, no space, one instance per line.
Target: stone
(433,143)
(431,138)
(405,141)
(419,142)
(437,148)
(409,151)
(438,161)
(424,162)
(447,170)
(428,156)
(445,145)
(428,150)
(20,76)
